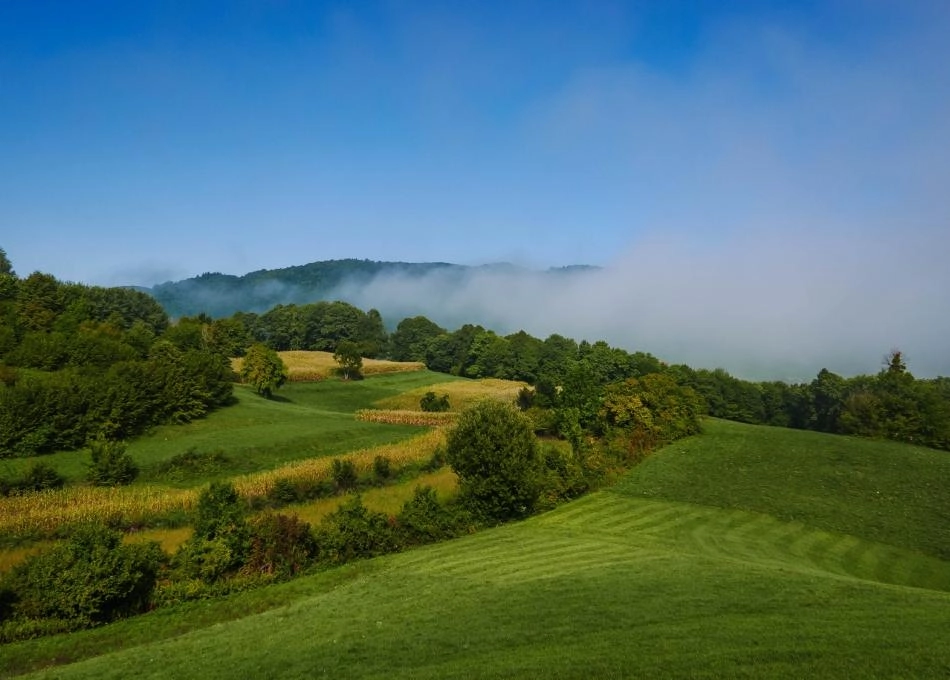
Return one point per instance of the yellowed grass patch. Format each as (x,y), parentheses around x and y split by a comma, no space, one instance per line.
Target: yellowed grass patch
(13,556)
(307,366)
(462,393)
(170,539)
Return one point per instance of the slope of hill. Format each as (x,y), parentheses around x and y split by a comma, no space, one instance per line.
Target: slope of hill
(714,573)
(223,294)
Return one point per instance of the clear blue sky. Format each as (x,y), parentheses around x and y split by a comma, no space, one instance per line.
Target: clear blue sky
(762,150)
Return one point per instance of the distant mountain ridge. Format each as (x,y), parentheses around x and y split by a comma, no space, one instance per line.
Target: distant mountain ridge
(220,295)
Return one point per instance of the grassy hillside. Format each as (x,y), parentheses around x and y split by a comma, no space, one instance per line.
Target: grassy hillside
(303,420)
(876,490)
(670,574)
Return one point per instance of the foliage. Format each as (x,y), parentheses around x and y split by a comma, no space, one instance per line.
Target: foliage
(263,369)
(280,546)
(353,531)
(39,476)
(347,355)
(344,474)
(423,519)
(652,410)
(96,364)
(434,404)
(91,579)
(6,267)
(221,541)
(191,462)
(110,463)
(410,340)
(382,469)
(496,456)
(564,476)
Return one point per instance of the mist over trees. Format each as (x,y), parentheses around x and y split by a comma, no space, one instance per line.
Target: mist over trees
(892,404)
(77,362)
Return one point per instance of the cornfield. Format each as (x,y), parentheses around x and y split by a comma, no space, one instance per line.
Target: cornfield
(44,513)
(403,417)
(461,393)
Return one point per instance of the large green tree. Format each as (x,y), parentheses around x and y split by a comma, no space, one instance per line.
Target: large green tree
(497,458)
(264,369)
(411,339)
(347,355)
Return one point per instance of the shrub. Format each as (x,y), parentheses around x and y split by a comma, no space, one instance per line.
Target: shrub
(38,477)
(431,403)
(280,546)
(91,579)
(344,474)
(110,464)
(191,462)
(563,478)
(283,492)
(353,531)
(423,519)
(382,470)
(496,456)
(221,540)
(41,476)
(437,461)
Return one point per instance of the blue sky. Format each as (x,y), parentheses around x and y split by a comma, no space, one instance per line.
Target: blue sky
(770,155)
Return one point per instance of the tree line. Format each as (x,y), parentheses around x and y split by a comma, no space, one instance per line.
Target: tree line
(113,354)
(81,362)
(891,404)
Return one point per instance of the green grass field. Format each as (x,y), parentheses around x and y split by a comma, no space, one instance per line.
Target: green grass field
(744,552)
(304,420)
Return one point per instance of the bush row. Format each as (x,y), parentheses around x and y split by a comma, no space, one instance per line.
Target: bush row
(94,578)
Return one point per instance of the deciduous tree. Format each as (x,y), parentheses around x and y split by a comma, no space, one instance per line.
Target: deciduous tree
(264,369)
(497,458)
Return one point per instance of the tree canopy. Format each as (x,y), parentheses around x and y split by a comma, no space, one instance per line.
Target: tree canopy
(497,458)
(264,369)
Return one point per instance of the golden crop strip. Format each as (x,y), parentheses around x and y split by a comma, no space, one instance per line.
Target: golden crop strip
(405,417)
(461,393)
(46,511)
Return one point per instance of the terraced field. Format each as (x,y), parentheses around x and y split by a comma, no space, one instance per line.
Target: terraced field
(622,583)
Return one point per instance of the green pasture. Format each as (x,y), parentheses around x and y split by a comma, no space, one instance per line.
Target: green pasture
(304,420)
(672,573)
(876,490)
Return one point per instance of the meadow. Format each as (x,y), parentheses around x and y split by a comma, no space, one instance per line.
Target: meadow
(742,552)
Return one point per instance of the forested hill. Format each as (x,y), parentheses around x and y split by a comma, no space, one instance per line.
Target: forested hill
(223,294)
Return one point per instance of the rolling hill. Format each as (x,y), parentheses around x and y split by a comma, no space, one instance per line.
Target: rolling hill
(221,295)
(743,552)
